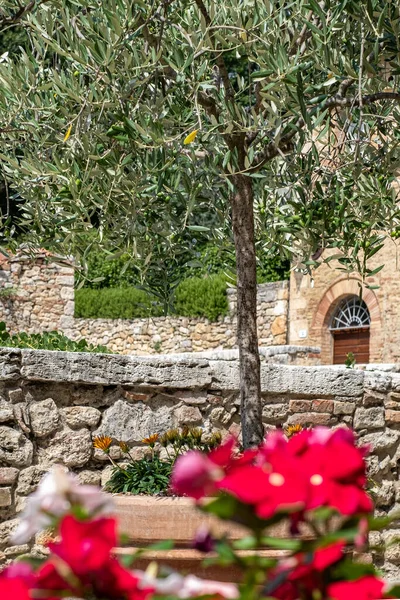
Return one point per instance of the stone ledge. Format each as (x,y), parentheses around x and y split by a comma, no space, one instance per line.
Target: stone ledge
(179,372)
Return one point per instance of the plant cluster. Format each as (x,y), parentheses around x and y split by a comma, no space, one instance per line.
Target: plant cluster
(49,340)
(315,479)
(193,297)
(151,474)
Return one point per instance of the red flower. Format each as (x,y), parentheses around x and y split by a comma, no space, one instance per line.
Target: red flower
(14,589)
(303,572)
(85,545)
(335,468)
(366,588)
(116,582)
(274,483)
(48,578)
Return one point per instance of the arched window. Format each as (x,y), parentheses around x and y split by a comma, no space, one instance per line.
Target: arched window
(350,329)
(351,312)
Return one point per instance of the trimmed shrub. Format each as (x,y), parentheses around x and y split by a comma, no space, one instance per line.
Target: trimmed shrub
(198,297)
(195,297)
(115,303)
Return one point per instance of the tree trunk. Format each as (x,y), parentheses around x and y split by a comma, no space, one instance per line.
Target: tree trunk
(247,339)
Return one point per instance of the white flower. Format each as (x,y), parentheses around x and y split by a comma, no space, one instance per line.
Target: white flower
(187,587)
(56,493)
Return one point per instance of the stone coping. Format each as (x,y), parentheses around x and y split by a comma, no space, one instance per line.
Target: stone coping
(183,372)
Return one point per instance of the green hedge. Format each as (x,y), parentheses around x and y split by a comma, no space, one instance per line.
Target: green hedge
(115,303)
(198,297)
(195,297)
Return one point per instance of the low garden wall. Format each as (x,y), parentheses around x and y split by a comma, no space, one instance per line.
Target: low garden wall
(37,295)
(53,403)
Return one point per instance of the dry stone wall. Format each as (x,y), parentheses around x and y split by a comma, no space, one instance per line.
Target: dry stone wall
(53,403)
(38,295)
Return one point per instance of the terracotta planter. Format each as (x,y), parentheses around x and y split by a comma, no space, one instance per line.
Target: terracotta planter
(146,520)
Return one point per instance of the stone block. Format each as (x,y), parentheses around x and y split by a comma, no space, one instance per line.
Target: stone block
(16,550)
(317,382)
(392,416)
(300,406)
(137,397)
(10,364)
(382,440)
(311,419)
(277,413)
(29,479)
(89,477)
(377,382)
(106,475)
(8,475)
(219,415)
(77,417)
(385,494)
(369,418)
(16,395)
(6,530)
(132,422)
(80,367)
(188,415)
(391,539)
(15,449)
(69,447)
(324,406)
(373,399)
(44,417)
(5,497)
(344,408)
(6,411)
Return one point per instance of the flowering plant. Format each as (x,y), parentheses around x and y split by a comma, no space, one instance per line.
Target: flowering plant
(151,474)
(313,482)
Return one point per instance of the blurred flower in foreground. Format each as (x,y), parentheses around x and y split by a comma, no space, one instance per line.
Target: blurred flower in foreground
(58,492)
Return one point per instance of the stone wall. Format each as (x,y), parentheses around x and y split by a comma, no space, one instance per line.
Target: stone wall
(53,403)
(38,295)
(35,295)
(313,302)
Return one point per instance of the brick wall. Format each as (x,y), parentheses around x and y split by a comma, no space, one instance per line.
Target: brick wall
(312,303)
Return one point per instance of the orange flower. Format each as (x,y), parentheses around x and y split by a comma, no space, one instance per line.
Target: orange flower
(151,440)
(124,447)
(293,429)
(102,442)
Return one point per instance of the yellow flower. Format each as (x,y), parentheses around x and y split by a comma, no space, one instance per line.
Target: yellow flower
(293,429)
(151,440)
(124,447)
(191,137)
(102,442)
(66,136)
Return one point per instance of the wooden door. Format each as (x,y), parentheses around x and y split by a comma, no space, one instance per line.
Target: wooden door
(355,340)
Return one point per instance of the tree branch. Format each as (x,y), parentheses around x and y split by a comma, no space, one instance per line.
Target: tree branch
(272,149)
(229,91)
(19,15)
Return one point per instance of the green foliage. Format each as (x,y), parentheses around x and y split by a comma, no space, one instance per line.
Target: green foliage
(151,475)
(148,476)
(291,79)
(115,303)
(271,267)
(202,297)
(194,297)
(107,271)
(51,340)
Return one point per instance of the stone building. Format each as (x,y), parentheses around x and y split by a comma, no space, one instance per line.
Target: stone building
(332,311)
(338,313)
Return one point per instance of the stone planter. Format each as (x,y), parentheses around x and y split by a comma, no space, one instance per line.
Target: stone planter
(147,520)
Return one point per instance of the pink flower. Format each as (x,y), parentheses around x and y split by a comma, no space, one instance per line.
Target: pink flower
(366,588)
(58,491)
(195,474)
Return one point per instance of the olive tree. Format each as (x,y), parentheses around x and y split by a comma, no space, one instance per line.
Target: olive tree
(286,112)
